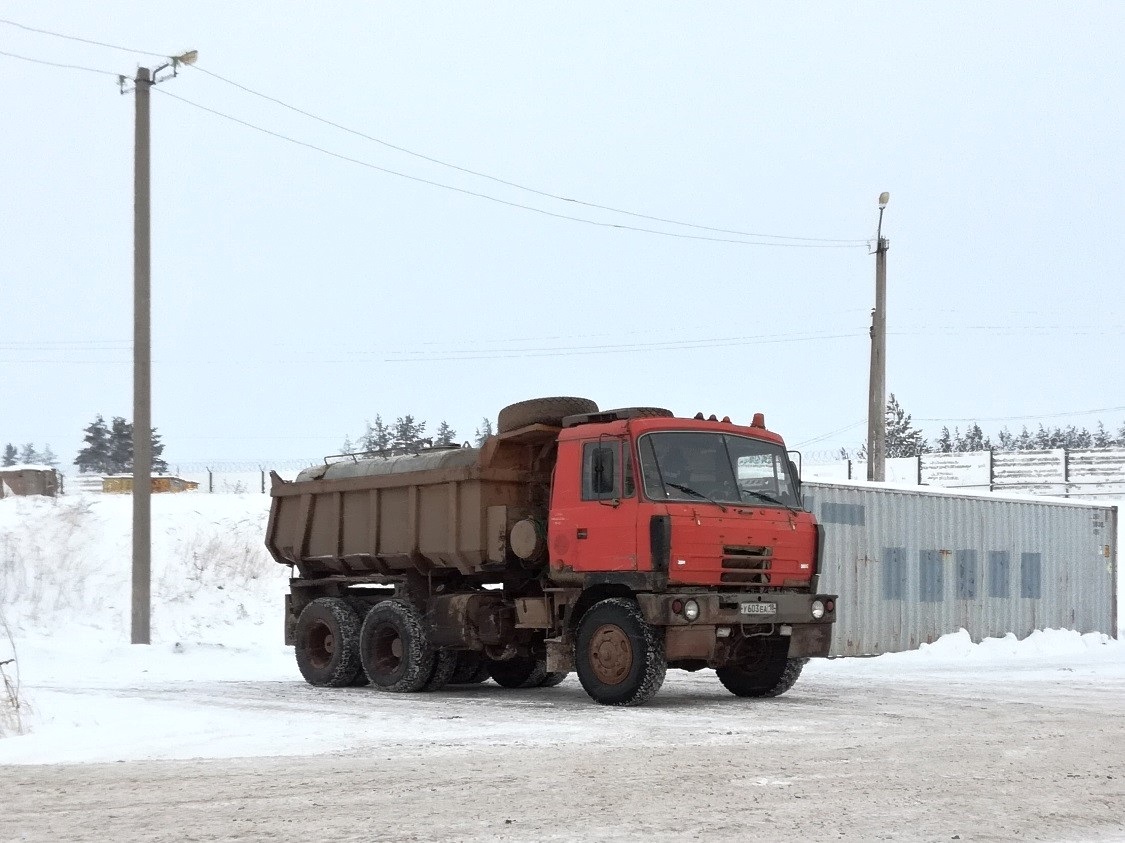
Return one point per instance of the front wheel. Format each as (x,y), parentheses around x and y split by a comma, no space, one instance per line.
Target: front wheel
(619,656)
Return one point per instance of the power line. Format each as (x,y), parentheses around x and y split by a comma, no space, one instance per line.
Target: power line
(490,198)
(80,40)
(517,185)
(825,242)
(830,434)
(1033,417)
(60,64)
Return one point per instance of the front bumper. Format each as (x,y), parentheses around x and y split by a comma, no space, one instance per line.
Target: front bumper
(723,623)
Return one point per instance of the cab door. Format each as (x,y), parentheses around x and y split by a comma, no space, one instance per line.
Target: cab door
(598,525)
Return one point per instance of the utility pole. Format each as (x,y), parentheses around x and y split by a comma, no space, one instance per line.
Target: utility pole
(142,367)
(142,349)
(877,393)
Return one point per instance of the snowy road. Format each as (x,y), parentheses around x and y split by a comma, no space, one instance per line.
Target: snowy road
(853,752)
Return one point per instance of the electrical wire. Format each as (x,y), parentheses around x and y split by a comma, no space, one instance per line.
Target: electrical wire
(60,64)
(517,185)
(79,40)
(490,198)
(829,435)
(825,242)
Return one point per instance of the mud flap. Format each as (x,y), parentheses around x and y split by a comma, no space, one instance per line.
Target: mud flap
(810,640)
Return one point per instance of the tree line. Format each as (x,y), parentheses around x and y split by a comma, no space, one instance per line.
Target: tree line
(406,435)
(28,455)
(109,448)
(905,440)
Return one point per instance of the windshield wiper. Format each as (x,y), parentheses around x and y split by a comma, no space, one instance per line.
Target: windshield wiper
(768,498)
(692,491)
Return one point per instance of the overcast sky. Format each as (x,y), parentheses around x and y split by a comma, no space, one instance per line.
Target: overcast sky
(297,294)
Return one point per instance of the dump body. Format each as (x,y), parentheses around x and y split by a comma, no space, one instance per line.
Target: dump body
(441,509)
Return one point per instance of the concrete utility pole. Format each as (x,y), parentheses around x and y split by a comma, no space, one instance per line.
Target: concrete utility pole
(877,393)
(142,368)
(142,350)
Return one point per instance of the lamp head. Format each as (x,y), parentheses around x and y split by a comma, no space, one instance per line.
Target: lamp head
(190,57)
(884,197)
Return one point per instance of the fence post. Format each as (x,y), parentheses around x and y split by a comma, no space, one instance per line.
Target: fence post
(849,469)
(210,482)
(991,472)
(263,471)
(918,470)
(1066,472)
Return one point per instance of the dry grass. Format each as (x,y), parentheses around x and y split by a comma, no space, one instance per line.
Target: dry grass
(12,706)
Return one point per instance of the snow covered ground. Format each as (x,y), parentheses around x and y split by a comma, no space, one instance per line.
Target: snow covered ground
(218,684)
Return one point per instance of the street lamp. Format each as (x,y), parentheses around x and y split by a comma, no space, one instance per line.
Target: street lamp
(142,348)
(876,399)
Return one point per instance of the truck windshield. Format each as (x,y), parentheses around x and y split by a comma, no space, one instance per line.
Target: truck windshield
(719,467)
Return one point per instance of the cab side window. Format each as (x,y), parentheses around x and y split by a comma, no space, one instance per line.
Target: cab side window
(602,471)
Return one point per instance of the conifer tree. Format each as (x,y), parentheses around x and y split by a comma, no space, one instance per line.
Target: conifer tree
(120,446)
(28,454)
(944,443)
(903,440)
(10,454)
(94,457)
(975,440)
(483,432)
(48,457)
(376,439)
(408,433)
(1101,437)
(445,434)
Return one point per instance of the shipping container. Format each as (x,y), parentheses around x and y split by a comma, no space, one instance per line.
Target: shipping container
(913,565)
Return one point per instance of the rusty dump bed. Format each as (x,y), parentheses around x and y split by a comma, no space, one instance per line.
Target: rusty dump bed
(434,510)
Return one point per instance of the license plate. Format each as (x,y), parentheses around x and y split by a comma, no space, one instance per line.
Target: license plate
(759,608)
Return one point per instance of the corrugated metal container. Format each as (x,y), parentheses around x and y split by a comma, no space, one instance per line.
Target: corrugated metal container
(122,484)
(911,566)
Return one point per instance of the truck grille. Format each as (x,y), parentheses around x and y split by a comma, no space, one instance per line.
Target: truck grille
(746,565)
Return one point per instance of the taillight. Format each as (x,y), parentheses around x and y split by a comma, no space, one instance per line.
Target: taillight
(830,605)
(677,606)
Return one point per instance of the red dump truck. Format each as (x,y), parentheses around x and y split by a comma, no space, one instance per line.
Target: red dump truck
(615,544)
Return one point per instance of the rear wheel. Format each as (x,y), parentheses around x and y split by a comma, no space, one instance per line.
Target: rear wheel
(472,669)
(763,671)
(445,663)
(394,648)
(327,645)
(519,672)
(619,656)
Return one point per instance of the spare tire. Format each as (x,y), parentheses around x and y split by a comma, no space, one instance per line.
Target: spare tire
(542,411)
(644,412)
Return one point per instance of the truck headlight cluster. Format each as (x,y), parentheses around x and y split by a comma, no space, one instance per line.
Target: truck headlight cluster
(817,609)
(691,610)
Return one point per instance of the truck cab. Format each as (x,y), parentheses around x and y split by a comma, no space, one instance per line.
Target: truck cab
(701,521)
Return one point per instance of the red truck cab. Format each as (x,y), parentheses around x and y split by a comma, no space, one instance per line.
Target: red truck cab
(702,520)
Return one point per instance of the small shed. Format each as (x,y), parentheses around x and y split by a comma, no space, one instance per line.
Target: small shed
(122,484)
(29,480)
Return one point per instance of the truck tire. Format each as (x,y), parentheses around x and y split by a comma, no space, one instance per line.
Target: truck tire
(553,679)
(518,672)
(542,411)
(472,669)
(394,649)
(766,673)
(444,666)
(645,412)
(327,645)
(620,657)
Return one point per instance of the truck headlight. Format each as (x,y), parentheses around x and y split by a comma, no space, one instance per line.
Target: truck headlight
(691,610)
(817,609)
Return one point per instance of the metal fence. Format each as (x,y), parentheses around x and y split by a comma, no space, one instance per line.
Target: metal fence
(911,566)
(1062,472)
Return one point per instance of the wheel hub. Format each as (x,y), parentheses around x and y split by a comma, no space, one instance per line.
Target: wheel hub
(322,645)
(611,654)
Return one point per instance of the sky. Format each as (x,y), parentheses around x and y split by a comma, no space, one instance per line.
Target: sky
(298,291)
